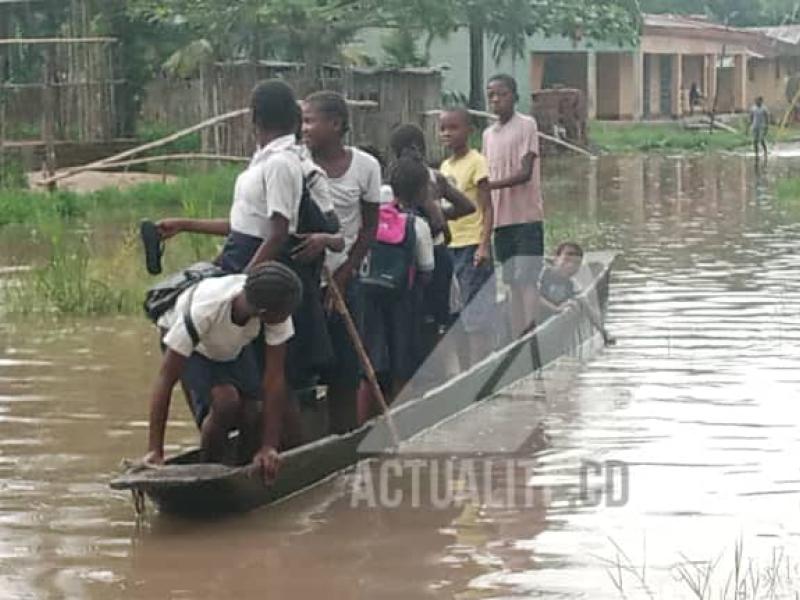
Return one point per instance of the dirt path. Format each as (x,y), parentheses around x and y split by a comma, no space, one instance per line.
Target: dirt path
(91,181)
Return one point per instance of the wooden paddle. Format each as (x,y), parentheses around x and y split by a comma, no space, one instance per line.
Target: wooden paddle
(366,363)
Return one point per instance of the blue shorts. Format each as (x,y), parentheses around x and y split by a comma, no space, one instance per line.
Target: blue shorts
(478,290)
(520,250)
(201,374)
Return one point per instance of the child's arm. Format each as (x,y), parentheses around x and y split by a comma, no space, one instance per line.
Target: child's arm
(551,305)
(360,248)
(423,251)
(314,244)
(171,368)
(267,461)
(170,227)
(484,253)
(522,177)
(460,205)
(271,247)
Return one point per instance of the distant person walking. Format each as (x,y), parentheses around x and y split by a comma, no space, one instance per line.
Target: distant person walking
(759,125)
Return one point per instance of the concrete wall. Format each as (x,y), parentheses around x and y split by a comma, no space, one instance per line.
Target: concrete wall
(655,84)
(769,81)
(608,86)
(630,89)
(693,67)
(725,98)
(452,54)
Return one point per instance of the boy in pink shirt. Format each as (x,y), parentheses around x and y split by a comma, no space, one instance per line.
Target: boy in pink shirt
(511,147)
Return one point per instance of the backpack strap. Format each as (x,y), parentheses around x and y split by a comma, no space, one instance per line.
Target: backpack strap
(188,322)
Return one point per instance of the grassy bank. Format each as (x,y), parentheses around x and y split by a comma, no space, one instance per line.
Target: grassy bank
(87,257)
(667,137)
(206,192)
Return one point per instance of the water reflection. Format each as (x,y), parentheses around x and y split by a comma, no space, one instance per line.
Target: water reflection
(698,399)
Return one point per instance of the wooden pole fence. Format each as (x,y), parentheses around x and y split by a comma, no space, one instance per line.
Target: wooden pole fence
(487,115)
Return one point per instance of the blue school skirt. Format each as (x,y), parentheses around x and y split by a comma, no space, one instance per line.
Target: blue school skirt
(310,350)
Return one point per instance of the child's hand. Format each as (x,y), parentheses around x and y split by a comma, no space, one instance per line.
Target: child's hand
(168,228)
(483,256)
(312,245)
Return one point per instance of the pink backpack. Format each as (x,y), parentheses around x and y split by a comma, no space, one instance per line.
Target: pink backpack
(390,263)
(391,224)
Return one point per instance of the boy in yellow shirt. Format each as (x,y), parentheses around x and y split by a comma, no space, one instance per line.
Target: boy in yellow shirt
(471,244)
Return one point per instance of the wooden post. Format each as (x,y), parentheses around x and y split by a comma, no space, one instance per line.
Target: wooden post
(48,115)
(2,129)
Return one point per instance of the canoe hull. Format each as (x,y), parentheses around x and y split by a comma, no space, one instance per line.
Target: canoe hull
(234,489)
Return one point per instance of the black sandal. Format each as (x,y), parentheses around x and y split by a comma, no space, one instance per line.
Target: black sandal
(153,247)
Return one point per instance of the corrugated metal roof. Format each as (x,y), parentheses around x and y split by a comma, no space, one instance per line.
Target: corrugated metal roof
(670,21)
(788,34)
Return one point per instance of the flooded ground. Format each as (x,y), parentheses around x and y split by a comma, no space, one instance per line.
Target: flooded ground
(694,409)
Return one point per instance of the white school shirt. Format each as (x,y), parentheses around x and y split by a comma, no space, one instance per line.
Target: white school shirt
(361,181)
(423,248)
(272,183)
(221,339)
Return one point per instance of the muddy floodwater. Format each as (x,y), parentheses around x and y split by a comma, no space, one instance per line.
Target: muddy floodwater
(666,452)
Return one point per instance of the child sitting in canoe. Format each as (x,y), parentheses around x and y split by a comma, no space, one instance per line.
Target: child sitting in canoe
(557,292)
(207,342)
(392,276)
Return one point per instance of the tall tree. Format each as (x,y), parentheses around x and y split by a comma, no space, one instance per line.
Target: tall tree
(313,29)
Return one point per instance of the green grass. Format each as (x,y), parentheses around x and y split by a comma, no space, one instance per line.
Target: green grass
(102,271)
(209,193)
(667,137)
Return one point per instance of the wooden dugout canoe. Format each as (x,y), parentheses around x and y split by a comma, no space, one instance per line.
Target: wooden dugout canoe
(185,486)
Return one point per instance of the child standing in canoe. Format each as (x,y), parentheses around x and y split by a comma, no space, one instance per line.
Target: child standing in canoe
(399,265)
(208,339)
(471,235)
(512,149)
(354,180)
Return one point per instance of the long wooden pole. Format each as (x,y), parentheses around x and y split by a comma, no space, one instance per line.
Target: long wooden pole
(170,157)
(64,40)
(487,115)
(366,364)
(169,139)
(48,114)
(145,147)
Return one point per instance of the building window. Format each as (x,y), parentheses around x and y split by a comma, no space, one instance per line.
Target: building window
(751,71)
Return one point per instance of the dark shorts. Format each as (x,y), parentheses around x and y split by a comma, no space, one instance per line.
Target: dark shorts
(345,367)
(436,303)
(519,249)
(201,374)
(237,252)
(391,332)
(478,290)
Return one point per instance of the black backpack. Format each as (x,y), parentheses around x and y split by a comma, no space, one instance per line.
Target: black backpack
(161,297)
(390,264)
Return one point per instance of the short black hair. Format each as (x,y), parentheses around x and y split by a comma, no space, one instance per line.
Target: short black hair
(409,176)
(508,81)
(333,105)
(274,107)
(463,111)
(273,285)
(564,246)
(407,136)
